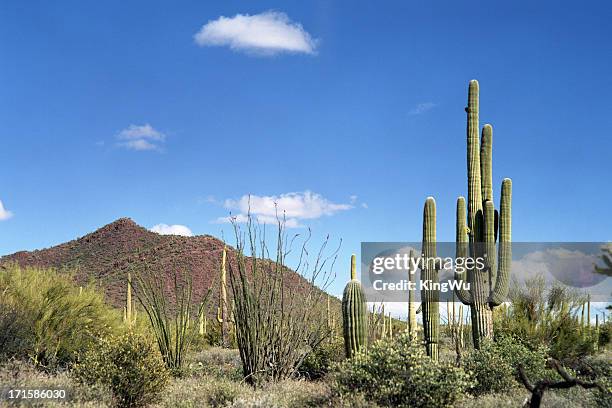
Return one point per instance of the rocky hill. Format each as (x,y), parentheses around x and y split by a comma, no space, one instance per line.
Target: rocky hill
(104,257)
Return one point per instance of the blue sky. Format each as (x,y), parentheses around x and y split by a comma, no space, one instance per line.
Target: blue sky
(114,109)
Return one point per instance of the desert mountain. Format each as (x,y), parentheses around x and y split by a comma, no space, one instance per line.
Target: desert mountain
(104,257)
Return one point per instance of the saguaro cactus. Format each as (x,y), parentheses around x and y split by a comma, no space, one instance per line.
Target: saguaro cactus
(128,300)
(477,239)
(429,276)
(412,305)
(354,311)
(222,308)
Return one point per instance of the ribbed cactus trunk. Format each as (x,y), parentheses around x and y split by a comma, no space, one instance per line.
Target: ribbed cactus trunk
(128,300)
(477,238)
(412,305)
(429,276)
(202,322)
(354,314)
(222,308)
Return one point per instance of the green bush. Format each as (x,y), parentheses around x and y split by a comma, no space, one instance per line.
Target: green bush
(495,365)
(45,318)
(605,334)
(397,373)
(318,363)
(547,316)
(129,365)
(597,369)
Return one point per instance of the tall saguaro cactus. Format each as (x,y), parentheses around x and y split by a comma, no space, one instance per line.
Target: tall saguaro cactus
(429,276)
(354,312)
(479,230)
(222,308)
(412,305)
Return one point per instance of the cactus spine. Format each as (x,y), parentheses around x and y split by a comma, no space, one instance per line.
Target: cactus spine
(429,274)
(354,311)
(222,308)
(477,239)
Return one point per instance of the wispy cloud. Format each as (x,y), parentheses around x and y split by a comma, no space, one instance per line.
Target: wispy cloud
(176,229)
(140,137)
(4,213)
(422,108)
(267,33)
(295,207)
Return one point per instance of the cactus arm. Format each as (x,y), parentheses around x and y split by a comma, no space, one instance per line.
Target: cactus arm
(486,167)
(461,243)
(499,293)
(473,158)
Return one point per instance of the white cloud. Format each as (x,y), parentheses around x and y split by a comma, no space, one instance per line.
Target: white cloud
(422,108)
(294,206)
(572,267)
(268,33)
(141,137)
(4,213)
(165,229)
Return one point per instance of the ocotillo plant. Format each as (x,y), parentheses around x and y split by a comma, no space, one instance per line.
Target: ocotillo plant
(429,274)
(354,311)
(477,239)
(222,308)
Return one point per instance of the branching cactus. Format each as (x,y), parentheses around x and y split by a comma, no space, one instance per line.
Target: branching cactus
(478,230)
(429,275)
(354,314)
(222,308)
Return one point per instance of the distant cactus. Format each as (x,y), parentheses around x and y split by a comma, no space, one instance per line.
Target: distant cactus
(354,314)
(202,322)
(477,238)
(412,307)
(128,301)
(222,308)
(429,274)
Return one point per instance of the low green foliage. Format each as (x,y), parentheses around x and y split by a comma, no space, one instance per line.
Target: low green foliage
(129,365)
(319,362)
(547,316)
(605,334)
(598,369)
(396,372)
(495,365)
(45,318)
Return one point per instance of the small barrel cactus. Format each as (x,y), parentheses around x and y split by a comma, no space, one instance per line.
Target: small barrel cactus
(354,310)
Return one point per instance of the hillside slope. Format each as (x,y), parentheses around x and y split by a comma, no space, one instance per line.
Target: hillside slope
(105,256)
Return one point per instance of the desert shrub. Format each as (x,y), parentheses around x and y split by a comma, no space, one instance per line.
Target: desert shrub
(216,362)
(169,308)
(540,316)
(223,393)
(605,334)
(277,312)
(597,369)
(45,318)
(398,373)
(129,365)
(495,364)
(318,363)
